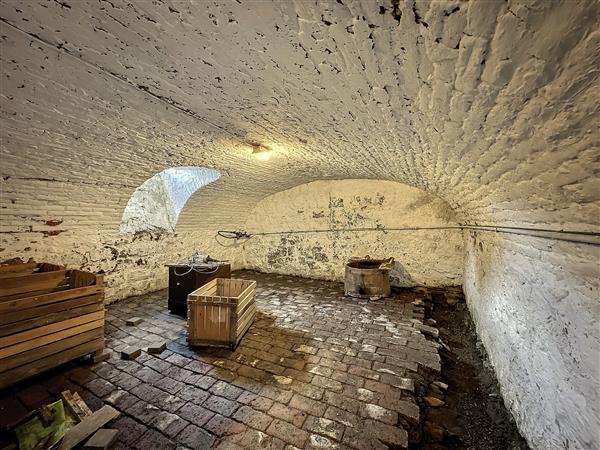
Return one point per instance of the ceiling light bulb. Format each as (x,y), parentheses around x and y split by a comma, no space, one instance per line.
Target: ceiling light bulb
(261,153)
(262,156)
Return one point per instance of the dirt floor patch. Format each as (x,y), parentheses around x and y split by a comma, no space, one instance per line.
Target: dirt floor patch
(474,416)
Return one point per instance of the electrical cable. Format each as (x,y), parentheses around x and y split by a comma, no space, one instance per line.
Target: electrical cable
(197,269)
(487,228)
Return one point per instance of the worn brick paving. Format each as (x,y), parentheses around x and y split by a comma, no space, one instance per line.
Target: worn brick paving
(315,371)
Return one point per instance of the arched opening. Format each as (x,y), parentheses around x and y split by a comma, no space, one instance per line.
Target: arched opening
(155,206)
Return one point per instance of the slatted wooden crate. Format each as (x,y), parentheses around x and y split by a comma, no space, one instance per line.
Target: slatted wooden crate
(10,270)
(47,318)
(220,312)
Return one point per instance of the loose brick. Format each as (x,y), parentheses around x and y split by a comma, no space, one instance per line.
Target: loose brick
(131,352)
(132,321)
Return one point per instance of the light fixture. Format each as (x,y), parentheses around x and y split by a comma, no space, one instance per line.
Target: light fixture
(261,153)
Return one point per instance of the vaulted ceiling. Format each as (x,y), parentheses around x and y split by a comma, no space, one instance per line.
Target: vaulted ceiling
(493,106)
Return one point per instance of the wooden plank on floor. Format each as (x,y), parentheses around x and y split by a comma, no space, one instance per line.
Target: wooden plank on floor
(88,426)
(48,329)
(12,376)
(103,439)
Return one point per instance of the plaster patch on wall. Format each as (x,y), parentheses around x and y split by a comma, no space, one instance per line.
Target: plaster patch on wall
(423,257)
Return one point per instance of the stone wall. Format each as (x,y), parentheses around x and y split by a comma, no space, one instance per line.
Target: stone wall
(77,225)
(535,305)
(423,257)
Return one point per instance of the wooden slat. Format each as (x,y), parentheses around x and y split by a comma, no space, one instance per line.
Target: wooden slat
(12,376)
(23,267)
(243,299)
(75,405)
(203,290)
(50,349)
(31,313)
(248,316)
(47,339)
(34,282)
(92,305)
(244,328)
(60,288)
(79,278)
(48,329)
(241,309)
(48,267)
(88,426)
(39,300)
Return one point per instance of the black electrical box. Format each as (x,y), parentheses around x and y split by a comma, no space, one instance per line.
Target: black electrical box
(184,279)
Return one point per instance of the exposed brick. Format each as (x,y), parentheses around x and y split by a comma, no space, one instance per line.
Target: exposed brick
(195,438)
(325,427)
(253,439)
(225,390)
(130,430)
(288,433)
(220,405)
(308,405)
(169,424)
(288,413)
(222,426)
(195,414)
(252,418)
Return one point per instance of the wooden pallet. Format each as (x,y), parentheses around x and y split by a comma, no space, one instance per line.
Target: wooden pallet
(220,312)
(47,318)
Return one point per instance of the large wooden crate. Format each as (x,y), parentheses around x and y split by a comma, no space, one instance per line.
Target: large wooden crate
(10,270)
(220,312)
(47,318)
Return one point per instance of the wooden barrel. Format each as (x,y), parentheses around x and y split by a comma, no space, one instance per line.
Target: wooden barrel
(364,279)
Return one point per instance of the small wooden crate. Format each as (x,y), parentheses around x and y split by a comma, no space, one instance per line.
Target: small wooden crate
(47,318)
(220,312)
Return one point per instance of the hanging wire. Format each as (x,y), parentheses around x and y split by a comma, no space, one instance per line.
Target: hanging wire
(556,235)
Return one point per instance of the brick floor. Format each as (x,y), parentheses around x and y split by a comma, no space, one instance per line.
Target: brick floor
(315,370)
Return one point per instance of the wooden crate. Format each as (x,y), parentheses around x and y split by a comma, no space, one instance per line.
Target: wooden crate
(220,312)
(47,318)
(10,270)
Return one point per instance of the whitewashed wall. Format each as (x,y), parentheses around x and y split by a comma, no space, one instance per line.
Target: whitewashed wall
(536,306)
(490,105)
(423,257)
